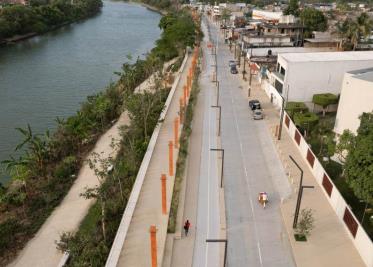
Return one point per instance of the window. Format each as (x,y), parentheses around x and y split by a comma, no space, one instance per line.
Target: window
(282,71)
(278,86)
(282,30)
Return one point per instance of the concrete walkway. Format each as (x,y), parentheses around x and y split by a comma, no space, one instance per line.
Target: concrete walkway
(148,211)
(329,243)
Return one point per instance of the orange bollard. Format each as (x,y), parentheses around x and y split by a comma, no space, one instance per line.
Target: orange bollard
(153,245)
(164,203)
(185,94)
(170,158)
(181,111)
(176,132)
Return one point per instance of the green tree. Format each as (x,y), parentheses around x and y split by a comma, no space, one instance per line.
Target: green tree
(359,162)
(324,100)
(225,15)
(353,31)
(345,143)
(292,8)
(313,20)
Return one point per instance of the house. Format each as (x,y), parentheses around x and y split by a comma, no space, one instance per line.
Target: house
(356,98)
(298,76)
(292,30)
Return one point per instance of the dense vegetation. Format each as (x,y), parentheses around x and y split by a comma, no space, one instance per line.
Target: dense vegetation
(355,31)
(44,173)
(41,16)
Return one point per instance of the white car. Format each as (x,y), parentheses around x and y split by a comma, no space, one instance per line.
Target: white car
(257,114)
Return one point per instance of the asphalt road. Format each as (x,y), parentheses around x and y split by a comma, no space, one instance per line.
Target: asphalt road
(208,213)
(256,236)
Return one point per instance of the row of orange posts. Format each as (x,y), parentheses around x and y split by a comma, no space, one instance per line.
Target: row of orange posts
(173,144)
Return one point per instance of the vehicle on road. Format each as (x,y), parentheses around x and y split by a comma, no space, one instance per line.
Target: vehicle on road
(234,70)
(254,104)
(263,199)
(257,114)
(232,63)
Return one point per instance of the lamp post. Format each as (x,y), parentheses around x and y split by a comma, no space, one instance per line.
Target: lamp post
(222,164)
(281,117)
(300,193)
(225,247)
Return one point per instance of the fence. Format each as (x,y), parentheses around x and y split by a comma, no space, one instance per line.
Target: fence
(356,232)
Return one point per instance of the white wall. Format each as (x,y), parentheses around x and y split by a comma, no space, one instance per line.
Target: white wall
(356,98)
(361,241)
(308,78)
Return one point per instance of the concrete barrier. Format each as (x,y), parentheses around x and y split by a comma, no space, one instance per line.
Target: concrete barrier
(116,248)
(356,232)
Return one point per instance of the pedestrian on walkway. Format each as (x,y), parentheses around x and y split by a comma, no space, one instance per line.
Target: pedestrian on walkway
(186,227)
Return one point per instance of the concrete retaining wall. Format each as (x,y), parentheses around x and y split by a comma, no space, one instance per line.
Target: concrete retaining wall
(135,193)
(356,232)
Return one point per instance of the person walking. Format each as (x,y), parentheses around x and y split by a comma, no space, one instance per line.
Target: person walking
(186,227)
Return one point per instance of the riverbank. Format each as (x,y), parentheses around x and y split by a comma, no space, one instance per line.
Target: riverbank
(53,161)
(34,20)
(18,38)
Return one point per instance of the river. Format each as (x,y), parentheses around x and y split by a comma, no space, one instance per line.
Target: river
(48,76)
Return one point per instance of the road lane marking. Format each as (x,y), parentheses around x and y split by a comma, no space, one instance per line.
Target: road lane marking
(247,180)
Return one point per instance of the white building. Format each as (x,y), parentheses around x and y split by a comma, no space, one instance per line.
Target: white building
(299,76)
(266,15)
(356,98)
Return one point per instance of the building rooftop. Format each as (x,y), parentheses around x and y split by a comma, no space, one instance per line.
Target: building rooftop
(282,26)
(364,74)
(328,56)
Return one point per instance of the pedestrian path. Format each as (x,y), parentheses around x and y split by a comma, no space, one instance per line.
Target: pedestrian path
(329,243)
(148,210)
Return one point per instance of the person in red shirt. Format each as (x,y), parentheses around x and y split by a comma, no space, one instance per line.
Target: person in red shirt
(186,227)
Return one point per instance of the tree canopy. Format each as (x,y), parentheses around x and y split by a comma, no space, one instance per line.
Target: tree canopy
(313,20)
(359,161)
(38,17)
(292,8)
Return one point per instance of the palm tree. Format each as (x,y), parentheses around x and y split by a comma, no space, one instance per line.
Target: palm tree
(365,24)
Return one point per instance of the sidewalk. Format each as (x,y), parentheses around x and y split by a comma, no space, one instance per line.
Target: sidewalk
(148,210)
(329,243)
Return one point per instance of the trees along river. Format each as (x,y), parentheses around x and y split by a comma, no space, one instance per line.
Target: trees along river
(50,75)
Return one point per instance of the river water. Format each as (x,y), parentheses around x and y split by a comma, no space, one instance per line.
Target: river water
(50,75)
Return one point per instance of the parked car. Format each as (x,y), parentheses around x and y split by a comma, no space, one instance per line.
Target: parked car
(234,70)
(257,114)
(232,63)
(254,104)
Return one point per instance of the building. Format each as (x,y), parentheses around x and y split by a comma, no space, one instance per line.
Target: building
(356,98)
(292,30)
(322,39)
(298,76)
(267,16)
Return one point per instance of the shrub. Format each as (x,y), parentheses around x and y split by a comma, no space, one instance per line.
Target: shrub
(306,120)
(66,167)
(295,107)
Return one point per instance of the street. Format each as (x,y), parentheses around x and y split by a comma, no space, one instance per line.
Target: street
(256,237)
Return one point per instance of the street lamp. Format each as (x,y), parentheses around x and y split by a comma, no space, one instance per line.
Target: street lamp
(225,247)
(222,164)
(300,193)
